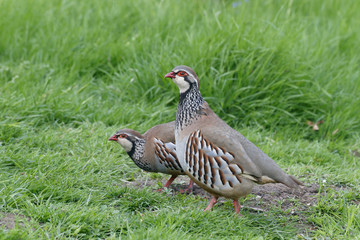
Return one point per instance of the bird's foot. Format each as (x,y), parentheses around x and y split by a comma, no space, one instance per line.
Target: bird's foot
(189,188)
(211,204)
(237,208)
(160,190)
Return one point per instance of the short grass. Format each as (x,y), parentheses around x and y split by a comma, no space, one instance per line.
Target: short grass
(73,72)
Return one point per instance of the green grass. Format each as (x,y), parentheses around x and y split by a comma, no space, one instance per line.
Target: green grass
(73,72)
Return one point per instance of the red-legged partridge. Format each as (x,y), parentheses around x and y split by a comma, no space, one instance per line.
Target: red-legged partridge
(218,158)
(154,151)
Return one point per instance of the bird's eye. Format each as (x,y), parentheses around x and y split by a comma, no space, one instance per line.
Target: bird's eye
(123,135)
(182,73)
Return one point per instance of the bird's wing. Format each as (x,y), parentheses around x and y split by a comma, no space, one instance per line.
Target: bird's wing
(254,161)
(214,165)
(166,153)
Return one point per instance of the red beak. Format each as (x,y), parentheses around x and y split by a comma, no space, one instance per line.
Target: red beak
(170,75)
(113,138)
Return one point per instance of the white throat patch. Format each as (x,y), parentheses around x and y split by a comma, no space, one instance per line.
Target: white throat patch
(126,144)
(181,83)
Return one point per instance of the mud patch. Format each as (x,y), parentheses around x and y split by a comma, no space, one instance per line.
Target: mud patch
(9,221)
(262,197)
(268,198)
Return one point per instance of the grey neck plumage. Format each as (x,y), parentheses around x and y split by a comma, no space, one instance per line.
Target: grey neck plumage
(189,108)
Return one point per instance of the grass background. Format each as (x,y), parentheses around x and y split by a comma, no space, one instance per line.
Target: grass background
(73,72)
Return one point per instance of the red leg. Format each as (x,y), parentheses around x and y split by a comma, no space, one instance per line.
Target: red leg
(237,207)
(189,188)
(167,184)
(211,204)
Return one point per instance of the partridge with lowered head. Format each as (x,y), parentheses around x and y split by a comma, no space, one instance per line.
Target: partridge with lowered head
(154,151)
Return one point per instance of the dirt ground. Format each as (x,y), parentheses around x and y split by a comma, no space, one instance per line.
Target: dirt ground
(9,220)
(264,197)
(293,202)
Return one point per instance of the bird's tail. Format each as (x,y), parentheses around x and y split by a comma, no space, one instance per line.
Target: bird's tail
(287,180)
(297,181)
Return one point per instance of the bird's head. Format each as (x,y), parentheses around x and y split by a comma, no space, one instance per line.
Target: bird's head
(184,77)
(126,138)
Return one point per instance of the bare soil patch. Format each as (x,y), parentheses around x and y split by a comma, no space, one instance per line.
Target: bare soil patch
(263,198)
(10,220)
(278,197)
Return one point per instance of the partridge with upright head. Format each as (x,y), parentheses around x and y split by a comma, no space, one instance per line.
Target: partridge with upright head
(154,151)
(217,157)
